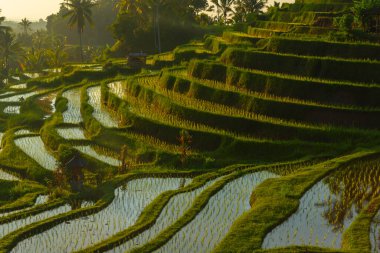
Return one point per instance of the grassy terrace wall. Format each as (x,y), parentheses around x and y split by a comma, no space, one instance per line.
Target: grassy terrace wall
(255,127)
(237,37)
(76,76)
(282,109)
(262,33)
(325,92)
(328,68)
(223,147)
(215,44)
(272,25)
(324,48)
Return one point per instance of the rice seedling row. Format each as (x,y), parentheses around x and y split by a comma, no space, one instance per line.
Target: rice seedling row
(130,200)
(375,233)
(174,209)
(100,113)
(17,224)
(19,86)
(22,132)
(6,176)
(71,133)
(18,98)
(72,115)
(328,208)
(214,221)
(38,152)
(12,109)
(90,151)
(41,199)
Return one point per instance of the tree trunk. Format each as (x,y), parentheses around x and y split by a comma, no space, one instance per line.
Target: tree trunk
(81,46)
(158,30)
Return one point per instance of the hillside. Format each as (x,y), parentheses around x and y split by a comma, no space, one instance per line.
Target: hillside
(263,139)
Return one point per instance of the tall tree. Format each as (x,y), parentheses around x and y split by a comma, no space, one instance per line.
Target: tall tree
(25,23)
(367,13)
(244,8)
(79,13)
(225,7)
(10,50)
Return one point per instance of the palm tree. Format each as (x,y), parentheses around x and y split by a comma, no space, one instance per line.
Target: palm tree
(131,6)
(367,11)
(25,23)
(79,12)
(225,7)
(254,6)
(10,51)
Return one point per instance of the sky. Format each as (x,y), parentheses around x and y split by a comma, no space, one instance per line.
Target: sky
(32,9)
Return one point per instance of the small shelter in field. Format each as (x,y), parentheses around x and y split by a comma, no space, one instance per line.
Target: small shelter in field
(137,60)
(76,166)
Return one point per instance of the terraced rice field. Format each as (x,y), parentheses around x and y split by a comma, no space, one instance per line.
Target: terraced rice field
(6,176)
(19,86)
(174,209)
(88,150)
(262,139)
(41,199)
(100,112)
(73,133)
(214,221)
(18,98)
(72,114)
(375,233)
(130,200)
(328,209)
(12,109)
(14,225)
(38,153)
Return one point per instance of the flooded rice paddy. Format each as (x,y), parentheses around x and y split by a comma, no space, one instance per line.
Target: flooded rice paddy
(130,200)
(71,133)
(100,113)
(72,114)
(38,153)
(328,208)
(211,225)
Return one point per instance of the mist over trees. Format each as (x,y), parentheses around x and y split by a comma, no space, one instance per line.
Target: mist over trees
(97,34)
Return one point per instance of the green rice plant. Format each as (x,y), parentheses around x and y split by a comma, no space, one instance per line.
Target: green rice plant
(275,26)
(324,48)
(221,116)
(262,33)
(312,90)
(317,67)
(375,233)
(40,200)
(215,44)
(236,37)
